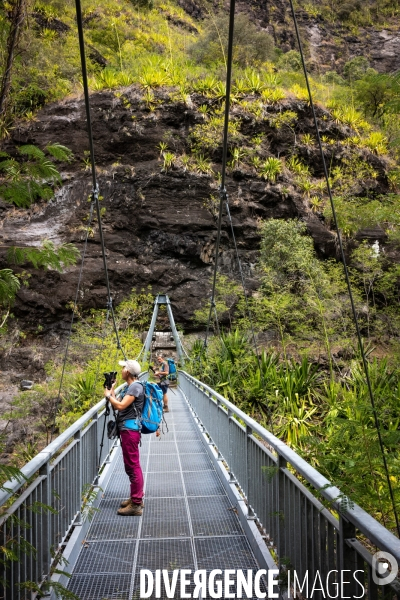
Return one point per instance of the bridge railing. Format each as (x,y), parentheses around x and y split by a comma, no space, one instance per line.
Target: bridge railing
(56,477)
(310,539)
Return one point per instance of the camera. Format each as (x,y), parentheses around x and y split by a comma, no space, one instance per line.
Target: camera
(151,368)
(109,379)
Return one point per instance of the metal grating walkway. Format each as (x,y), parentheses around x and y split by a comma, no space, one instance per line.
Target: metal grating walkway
(188,520)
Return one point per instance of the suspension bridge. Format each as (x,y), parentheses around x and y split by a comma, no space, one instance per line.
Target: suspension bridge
(225,500)
(222,495)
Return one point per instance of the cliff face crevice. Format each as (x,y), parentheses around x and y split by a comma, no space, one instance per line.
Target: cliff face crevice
(159,224)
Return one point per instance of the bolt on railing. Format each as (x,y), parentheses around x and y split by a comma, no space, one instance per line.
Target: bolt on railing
(311,542)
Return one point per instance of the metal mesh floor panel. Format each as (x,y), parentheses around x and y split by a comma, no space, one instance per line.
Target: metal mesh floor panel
(108,508)
(208,484)
(195,462)
(163,447)
(185,436)
(165,517)
(191,447)
(213,515)
(106,557)
(185,426)
(224,553)
(118,487)
(112,587)
(163,485)
(163,462)
(119,529)
(165,554)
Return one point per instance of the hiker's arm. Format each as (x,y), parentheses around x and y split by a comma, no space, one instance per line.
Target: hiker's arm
(125,402)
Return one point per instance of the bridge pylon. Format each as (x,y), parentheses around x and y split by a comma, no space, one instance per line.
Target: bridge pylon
(163,300)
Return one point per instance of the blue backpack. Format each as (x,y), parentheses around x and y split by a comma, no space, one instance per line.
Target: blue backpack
(171,365)
(152,412)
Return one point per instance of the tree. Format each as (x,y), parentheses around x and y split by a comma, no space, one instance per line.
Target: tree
(355,68)
(250,46)
(378,94)
(18,15)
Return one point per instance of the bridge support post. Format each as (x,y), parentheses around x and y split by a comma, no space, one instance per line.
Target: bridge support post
(78,467)
(45,518)
(249,466)
(347,559)
(281,546)
(230,418)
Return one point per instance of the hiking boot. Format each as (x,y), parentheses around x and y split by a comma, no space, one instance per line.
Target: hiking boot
(165,408)
(126,503)
(132,510)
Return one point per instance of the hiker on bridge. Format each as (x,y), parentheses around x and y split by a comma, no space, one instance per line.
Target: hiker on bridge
(162,374)
(129,405)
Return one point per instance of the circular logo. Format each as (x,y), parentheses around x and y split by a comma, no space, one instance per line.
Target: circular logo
(384,568)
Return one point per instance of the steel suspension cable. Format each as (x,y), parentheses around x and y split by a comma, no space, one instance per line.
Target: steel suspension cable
(250,316)
(55,406)
(95,191)
(222,190)
(346,273)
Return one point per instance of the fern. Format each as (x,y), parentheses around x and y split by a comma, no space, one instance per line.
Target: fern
(9,286)
(34,177)
(60,152)
(48,256)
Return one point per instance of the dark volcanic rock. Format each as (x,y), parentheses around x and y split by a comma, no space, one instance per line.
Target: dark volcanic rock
(159,227)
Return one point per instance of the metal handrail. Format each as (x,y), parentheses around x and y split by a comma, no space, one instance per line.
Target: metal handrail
(285,494)
(55,477)
(375,532)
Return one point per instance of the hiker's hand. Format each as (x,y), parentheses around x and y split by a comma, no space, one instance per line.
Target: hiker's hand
(158,433)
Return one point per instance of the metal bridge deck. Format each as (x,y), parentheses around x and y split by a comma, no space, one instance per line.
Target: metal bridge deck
(188,521)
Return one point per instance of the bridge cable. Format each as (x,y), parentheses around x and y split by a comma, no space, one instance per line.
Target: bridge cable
(95,191)
(55,405)
(222,189)
(346,273)
(250,316)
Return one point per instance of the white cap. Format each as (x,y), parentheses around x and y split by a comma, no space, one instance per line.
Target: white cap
(131,365)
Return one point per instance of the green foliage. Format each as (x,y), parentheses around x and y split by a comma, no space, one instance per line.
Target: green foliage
(250,46)
(271,168)
(9,286)
(48,256)
(290,61)
(356,68)
(378,94)
(33,176)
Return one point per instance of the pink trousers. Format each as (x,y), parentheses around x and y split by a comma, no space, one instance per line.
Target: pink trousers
(130,451)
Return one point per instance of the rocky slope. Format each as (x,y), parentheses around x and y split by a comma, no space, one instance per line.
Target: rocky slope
(159,226)
(328,45)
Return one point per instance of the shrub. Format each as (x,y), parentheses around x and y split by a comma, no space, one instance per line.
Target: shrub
(251,46)
(290,61)
(356,68)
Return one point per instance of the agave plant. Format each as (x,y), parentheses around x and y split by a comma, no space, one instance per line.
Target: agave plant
(271,168)
(152,78)
(273,96)
(377,143)
(206,86)
(307,139)
(203,164)
(169,160)
(253,81)
(296,166)
(295,421)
